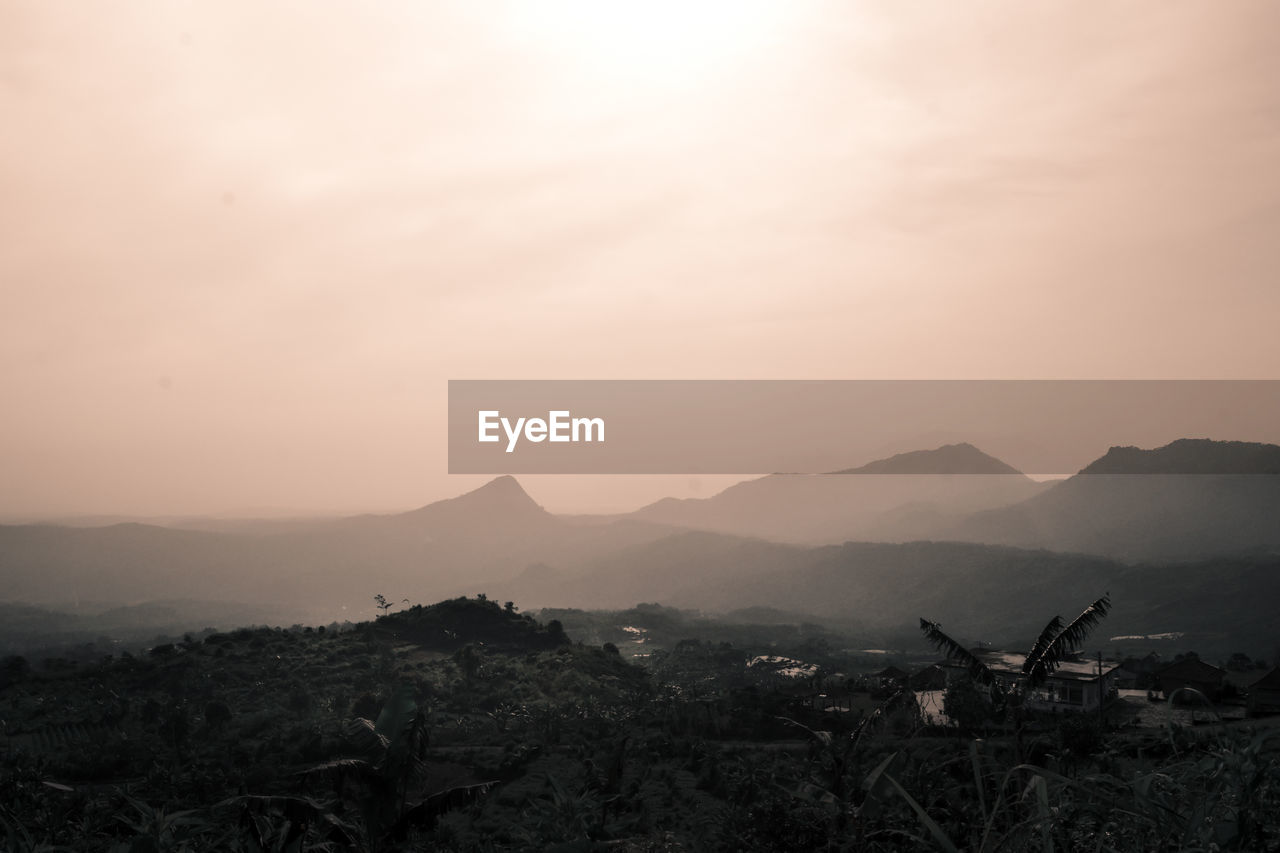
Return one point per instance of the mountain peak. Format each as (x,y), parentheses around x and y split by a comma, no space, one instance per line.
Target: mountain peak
(503,492)
(502,498)
(961,458)
(505,486)
(1191,456)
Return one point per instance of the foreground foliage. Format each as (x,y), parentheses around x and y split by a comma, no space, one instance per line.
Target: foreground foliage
(470,727)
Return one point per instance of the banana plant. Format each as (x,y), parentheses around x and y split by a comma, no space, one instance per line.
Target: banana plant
(834,784)
(390,762)
(1050,649)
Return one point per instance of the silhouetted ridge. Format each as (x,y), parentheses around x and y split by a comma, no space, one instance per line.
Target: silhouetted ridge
(452,624)
(502,497)
(961,458)
(1191,456)
(504,491)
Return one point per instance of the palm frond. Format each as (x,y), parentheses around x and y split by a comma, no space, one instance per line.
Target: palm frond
(1074,634)
(1047,636)
(354,765)
(364,735)
(1041,664)
(426,813)
(822,737)
(396,713)
(300,809)
(978,670)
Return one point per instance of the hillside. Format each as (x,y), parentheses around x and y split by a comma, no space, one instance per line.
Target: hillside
(908,496)
(1188,500)
(1191,456)
(326,568)
(716,735)
(961,458)
(450,625)
(993,592)
(778,541)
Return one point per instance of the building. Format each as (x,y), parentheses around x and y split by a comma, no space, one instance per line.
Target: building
(891,675)
(931,677)
(1136,672)
(1263,695)
(1076,686)
(1193,673)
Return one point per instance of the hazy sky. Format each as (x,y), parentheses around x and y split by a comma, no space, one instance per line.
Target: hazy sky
(244,245)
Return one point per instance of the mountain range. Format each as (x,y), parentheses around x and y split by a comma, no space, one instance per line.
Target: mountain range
(945,532)
(909,496)
(1192,499)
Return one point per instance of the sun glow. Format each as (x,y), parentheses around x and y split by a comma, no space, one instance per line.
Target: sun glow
(661,43)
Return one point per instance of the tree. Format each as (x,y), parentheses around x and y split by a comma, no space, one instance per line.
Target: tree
(1239,662)
(384,605)
(13,669)
(388,769)
(216,714)
(1050,649)
(965,705)
(468,661)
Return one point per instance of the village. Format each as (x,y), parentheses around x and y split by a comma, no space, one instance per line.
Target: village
(1149,692)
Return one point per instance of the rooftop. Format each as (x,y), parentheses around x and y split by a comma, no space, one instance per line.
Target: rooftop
(1010,663)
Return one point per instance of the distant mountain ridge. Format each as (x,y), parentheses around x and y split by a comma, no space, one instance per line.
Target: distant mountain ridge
(1190,456)
(975,589)
(502,494)
(961,458)
(1191,499)
(329,565)
(912,496)
(1188,500)
(499,535)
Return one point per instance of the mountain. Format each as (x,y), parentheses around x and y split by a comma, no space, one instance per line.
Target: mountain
(657,570)
(875,584)
(949,459)
(1191,456)
(24,628)
(979,591)
(331,568)
(776,541)
(1188,500)
(911,496)
(122,564)
(500,503)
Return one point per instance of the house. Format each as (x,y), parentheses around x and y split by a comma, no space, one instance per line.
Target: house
(1190,672)
(889,678)
(1075,686)
(1136,672)
(932,677)
(1263,695)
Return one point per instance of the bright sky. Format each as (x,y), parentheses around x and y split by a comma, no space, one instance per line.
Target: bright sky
(244,245)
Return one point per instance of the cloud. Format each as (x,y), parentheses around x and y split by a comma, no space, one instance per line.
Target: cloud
(308,221)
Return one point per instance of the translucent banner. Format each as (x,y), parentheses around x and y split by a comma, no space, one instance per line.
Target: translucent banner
(1048,427)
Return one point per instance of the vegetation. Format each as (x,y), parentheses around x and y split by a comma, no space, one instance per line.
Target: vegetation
(469,726)
(1055,643)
